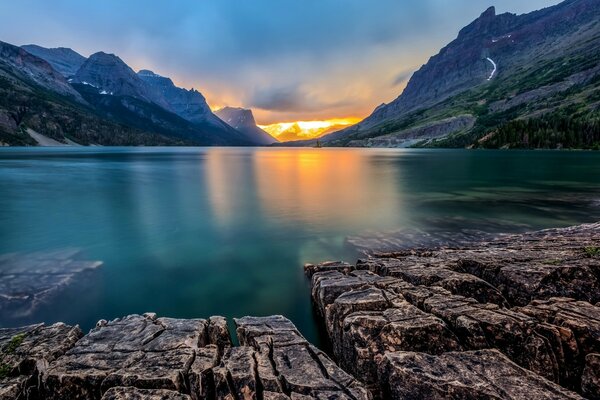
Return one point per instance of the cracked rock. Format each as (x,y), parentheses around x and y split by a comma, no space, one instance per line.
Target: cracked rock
(481,374)
(26,352)
(141,351)
(131,393)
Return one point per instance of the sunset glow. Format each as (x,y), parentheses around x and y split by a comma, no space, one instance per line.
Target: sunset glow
(299,130)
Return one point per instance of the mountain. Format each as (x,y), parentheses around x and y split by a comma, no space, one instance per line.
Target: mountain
(188,104)
(145,99)
(291,134)
(109,74)
(36,98)
(105,103)
(500,69)
(64,60)
(36,70)
(243,120)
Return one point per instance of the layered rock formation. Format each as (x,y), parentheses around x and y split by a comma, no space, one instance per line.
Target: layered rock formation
(501,319)
(146,357)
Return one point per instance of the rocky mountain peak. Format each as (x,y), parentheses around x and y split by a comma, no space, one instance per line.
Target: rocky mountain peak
(243,120)
(108,73)
(236,116)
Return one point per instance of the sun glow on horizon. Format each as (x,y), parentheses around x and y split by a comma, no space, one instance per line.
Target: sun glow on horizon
(298,130)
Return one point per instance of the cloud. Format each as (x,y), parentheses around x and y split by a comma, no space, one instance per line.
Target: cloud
(290,98)
(402,77)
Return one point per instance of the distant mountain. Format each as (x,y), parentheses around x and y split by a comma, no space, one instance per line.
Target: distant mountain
(110,75)
(35,69)
(291,134)
(243,120)
(295,133)
(64,60)
(35,97)
(188,104)
(105,102)
(500,68)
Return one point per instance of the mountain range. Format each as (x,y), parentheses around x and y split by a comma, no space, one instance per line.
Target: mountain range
(507,80)
(68,98)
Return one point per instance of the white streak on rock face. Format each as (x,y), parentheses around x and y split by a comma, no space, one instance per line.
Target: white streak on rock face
(495,68)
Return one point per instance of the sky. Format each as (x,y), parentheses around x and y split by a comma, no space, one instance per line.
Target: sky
(287,60)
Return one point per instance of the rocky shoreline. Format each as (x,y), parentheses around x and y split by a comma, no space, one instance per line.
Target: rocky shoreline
(513,318)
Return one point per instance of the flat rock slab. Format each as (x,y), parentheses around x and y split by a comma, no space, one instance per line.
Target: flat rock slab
(29,280)
(477,375)
(140,351)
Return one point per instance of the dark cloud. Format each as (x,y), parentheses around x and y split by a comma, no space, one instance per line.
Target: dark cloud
(290,98)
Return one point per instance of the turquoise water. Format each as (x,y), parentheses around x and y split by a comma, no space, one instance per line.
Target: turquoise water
(194,232)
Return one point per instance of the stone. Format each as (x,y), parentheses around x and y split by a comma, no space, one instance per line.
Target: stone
(286,363)
(578,327)
(131,393)
(201,376)
(235,377)
(480,374)
(590,382)
(140,351)
(26,352)
(429,271)
(365,323)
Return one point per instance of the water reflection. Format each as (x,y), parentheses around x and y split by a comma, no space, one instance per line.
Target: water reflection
(341,187)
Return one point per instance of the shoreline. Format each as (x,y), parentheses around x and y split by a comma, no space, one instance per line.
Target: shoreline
(515,317)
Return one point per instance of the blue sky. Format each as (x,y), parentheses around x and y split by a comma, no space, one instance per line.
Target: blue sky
(287,59)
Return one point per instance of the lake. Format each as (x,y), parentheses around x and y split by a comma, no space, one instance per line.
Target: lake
(194,232)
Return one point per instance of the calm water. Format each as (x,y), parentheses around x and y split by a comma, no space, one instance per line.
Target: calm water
(194,232)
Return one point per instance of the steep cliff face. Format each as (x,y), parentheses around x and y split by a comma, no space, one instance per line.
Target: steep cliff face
(491,50)
(64,60)
(188,104)
(243,120)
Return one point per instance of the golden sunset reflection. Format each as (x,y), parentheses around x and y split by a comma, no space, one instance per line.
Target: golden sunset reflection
(314,185)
